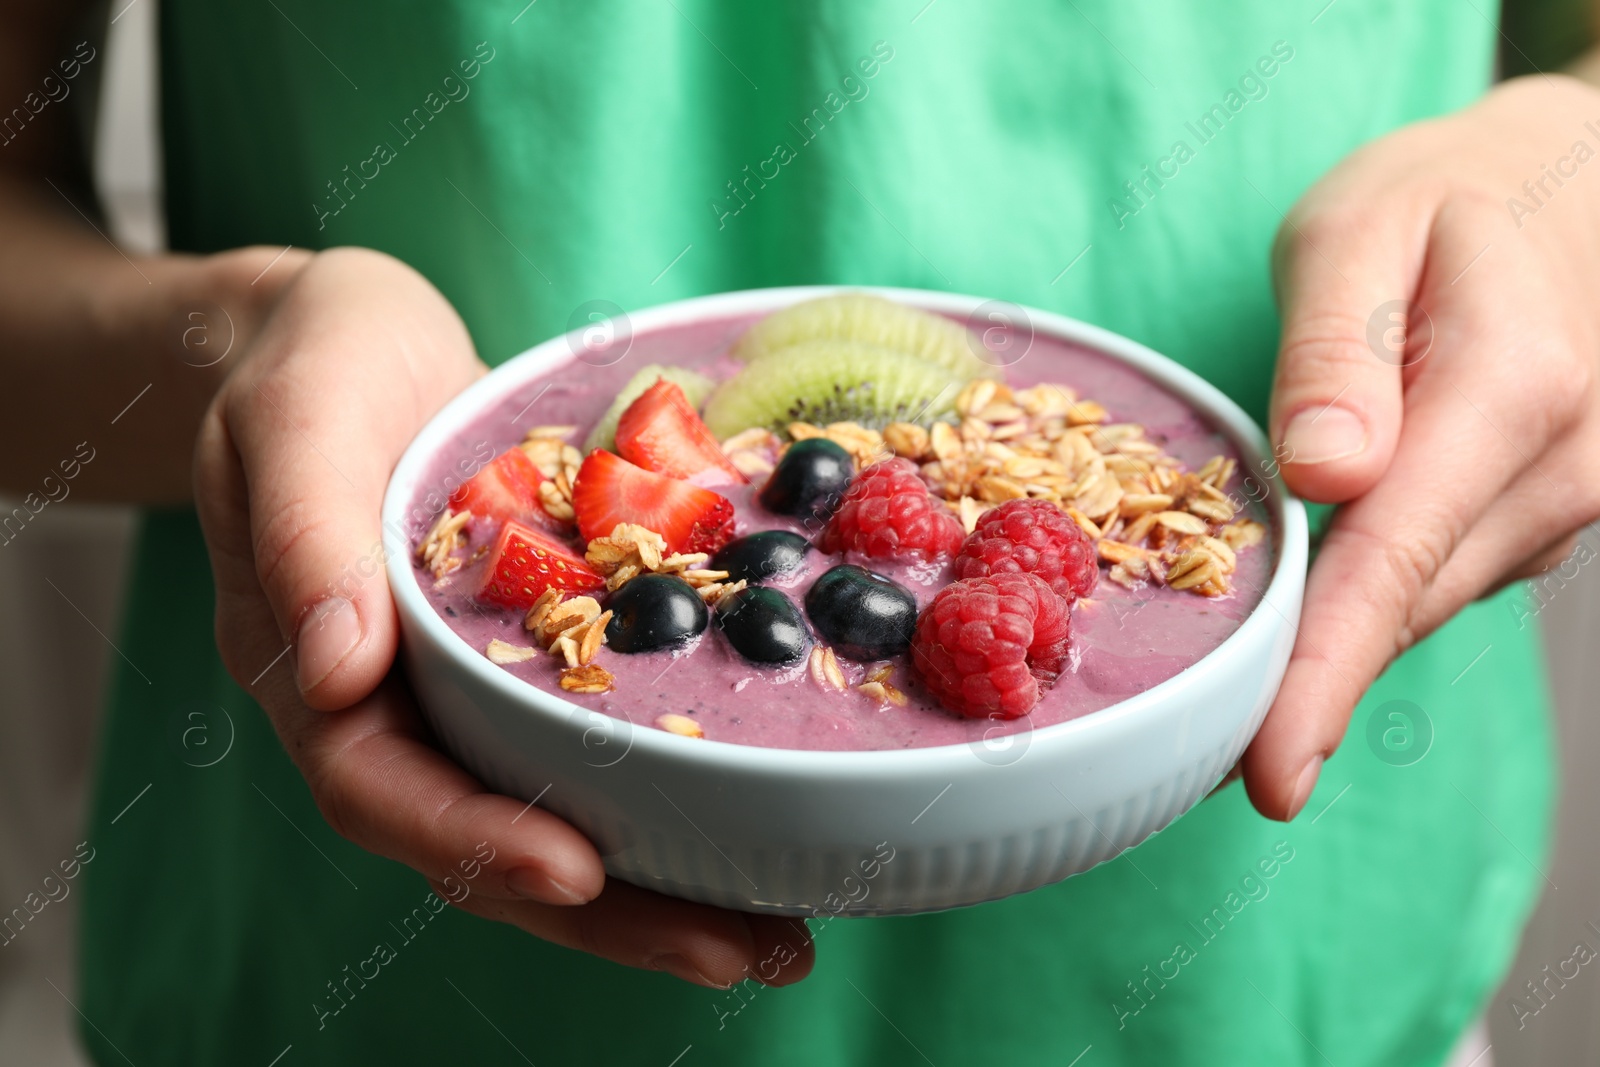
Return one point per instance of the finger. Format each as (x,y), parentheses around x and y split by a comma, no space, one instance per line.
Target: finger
(371,770)
(1553,555)
(1385,552)
(380,784)
(358,354)
(1336,406)
(248,639)
(634,927)
(1539,529)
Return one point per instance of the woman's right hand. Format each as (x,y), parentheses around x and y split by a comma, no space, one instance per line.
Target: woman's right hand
(355,353)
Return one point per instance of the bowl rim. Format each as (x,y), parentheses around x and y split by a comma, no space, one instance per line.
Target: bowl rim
(1285,584)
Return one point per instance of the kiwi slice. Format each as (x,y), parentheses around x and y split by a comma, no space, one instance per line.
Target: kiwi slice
(832,381)
(870,320)
(695,386)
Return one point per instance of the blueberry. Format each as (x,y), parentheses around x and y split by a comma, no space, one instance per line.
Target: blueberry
(763,626)
(654,611)
(810,480)
(761,556)
(864,615)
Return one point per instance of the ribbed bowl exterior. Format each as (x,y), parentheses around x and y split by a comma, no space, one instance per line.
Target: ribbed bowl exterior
(854,833)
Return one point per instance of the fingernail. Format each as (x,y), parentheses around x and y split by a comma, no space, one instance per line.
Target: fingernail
(327,634)
(1323,434)
(533,884)
(680,967)
(1304,785)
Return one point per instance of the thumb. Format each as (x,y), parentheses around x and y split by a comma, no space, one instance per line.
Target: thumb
(359,353)
(1336,398)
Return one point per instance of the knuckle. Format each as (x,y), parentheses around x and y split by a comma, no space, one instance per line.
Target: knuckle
(334,793)
(1413,565)
(1331,225)
(1559,398)
(282,534)
(1322,345)
(438,822)
(1473,210)
(1401,567)
(1569,385)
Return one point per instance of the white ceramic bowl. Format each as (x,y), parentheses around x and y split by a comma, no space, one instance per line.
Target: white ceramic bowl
(859,833)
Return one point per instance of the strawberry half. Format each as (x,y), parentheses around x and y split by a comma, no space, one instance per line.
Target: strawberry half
(661,432)
(507,490)
(525,563)
(610,490)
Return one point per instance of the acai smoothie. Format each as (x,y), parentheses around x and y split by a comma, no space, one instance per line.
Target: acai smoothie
(840,526)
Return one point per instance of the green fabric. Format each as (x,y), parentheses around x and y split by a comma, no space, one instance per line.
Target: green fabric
(588,162)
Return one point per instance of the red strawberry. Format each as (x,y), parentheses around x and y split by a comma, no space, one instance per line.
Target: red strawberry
(507,490)
(525,563)
(661,432)
(610,490)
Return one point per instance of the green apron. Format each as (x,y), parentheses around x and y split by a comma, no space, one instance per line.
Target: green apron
(1122,163)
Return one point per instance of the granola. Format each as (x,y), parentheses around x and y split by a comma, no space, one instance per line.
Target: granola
(589,679)
(444,539)
(629,551)
(877,686)
(1141,507)
(558,461)
(825,669)
(504,652)
(681,725)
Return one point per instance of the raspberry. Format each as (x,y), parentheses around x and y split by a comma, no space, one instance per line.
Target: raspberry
(1033,537)
(987,647)
(887,513)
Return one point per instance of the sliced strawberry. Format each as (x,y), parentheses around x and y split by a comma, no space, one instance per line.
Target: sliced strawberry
(661,432)
(526,562)
(507,490)
(610,490)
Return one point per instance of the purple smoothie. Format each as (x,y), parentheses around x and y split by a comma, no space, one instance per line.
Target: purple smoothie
(1123,641)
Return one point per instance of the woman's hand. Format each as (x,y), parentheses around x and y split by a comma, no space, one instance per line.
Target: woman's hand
(293,456)
(1462,437)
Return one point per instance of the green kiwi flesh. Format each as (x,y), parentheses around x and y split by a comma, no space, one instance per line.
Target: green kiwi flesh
(832,381)
(872,320)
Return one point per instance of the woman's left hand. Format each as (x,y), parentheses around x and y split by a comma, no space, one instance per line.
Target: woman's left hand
(1461,436)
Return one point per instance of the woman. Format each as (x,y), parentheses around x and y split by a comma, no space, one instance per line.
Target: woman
(483,173)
